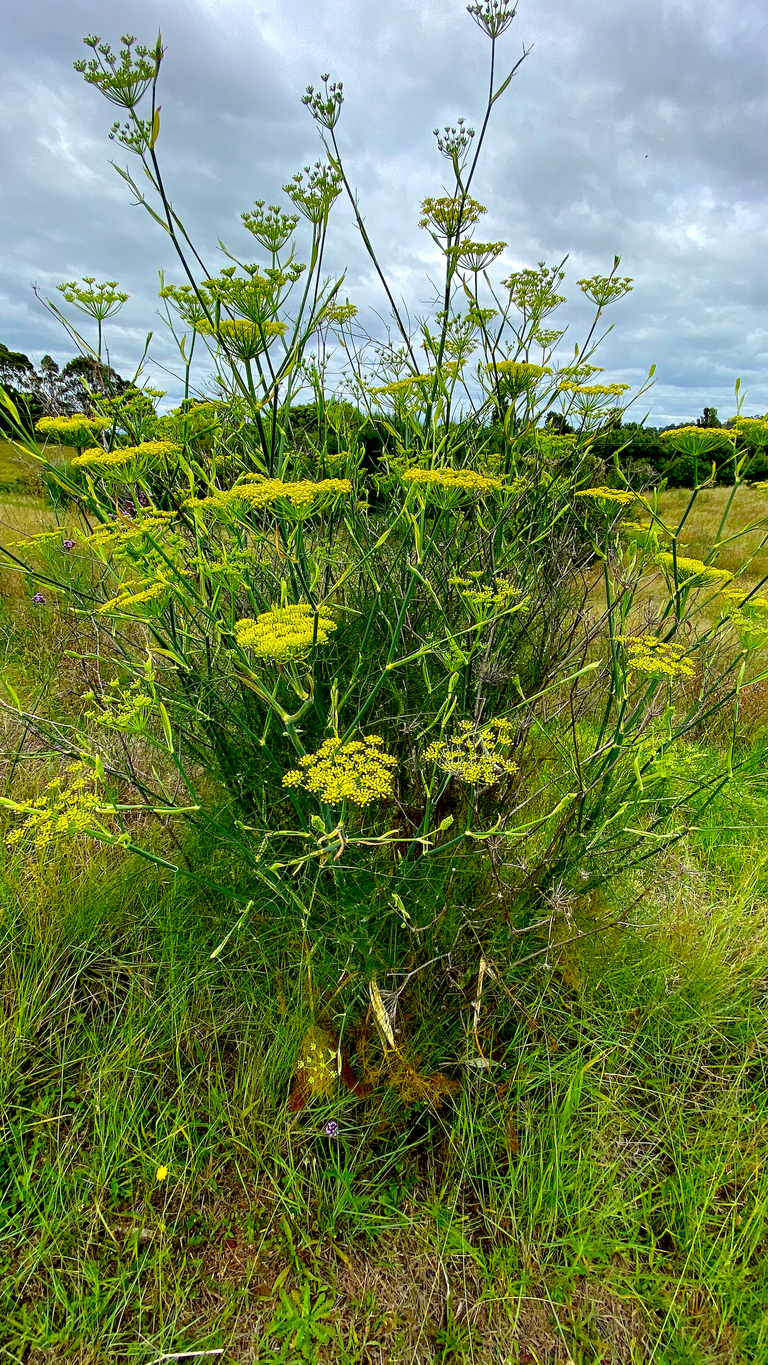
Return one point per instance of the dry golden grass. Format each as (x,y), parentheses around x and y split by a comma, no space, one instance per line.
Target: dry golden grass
(700,530)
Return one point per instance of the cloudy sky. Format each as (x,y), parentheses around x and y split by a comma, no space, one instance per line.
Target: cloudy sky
(635,127)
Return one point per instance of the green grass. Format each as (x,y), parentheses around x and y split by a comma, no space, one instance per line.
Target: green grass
(598,1194)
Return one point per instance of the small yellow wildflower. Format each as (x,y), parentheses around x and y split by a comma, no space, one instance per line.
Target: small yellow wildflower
(594,390)
(62,811)
(459,480)
(318,1063)
(475,755)
(358,771)
(301,495)
(149,593)
(161,1173)
(487,599)
(744,601)
(649,654)
(753,431)
(244,338)
(689,570)
(521,373)
(76,430)
(618,495)
(125,709)
(696,440)
(98,459)
(450,217)
(285,633)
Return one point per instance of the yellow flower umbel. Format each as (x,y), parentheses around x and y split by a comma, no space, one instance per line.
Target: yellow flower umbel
(692,572)
(317,1067)
(134,597)
(697,441)
(62,811)
(126,457)
(746,602)
(78,430)
(473,755)
(620,496)
(284,634)
(358,771)
(450,480)
(300,496)
(752,431)
(749,616)
(243,338)
(486,600)
(660,658)
(517,374)
(124,708)
(594,390)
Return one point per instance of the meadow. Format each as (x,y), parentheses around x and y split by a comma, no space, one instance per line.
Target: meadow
(597,1194)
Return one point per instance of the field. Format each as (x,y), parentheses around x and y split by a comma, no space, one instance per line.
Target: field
(595,1191)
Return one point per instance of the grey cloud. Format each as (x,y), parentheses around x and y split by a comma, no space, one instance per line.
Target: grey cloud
(633,127)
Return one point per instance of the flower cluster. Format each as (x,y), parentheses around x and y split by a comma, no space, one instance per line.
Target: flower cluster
(318,1063)
(412,383)
(486,599)
(521,373)
(115,535)
(76,430)
(124,455)
(150,592)
(245,339)
(459,480)
(474,755)
(285,633)
(696,440)
(620,496)
(604,289)
(595,390)
(649,654)
(46,540)
(476,256)
(692,570)
(745,601)
(302,495)
(749,615)
(450,217)
(358,771)
(752,431)
(125,709)
(61,811)
(552,445)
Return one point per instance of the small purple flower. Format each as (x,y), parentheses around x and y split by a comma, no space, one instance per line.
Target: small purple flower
(39,599)
(143,499)
(67,544)
(332,1128)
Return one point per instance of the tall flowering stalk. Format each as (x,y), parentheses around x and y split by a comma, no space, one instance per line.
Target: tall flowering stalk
(360,639)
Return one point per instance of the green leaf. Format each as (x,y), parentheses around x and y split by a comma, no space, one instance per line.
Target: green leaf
(155,128)
(166,724)
(12,695)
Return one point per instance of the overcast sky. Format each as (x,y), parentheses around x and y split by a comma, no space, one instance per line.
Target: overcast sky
(635,127)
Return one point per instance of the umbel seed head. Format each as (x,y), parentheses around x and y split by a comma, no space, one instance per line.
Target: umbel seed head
(493,16)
